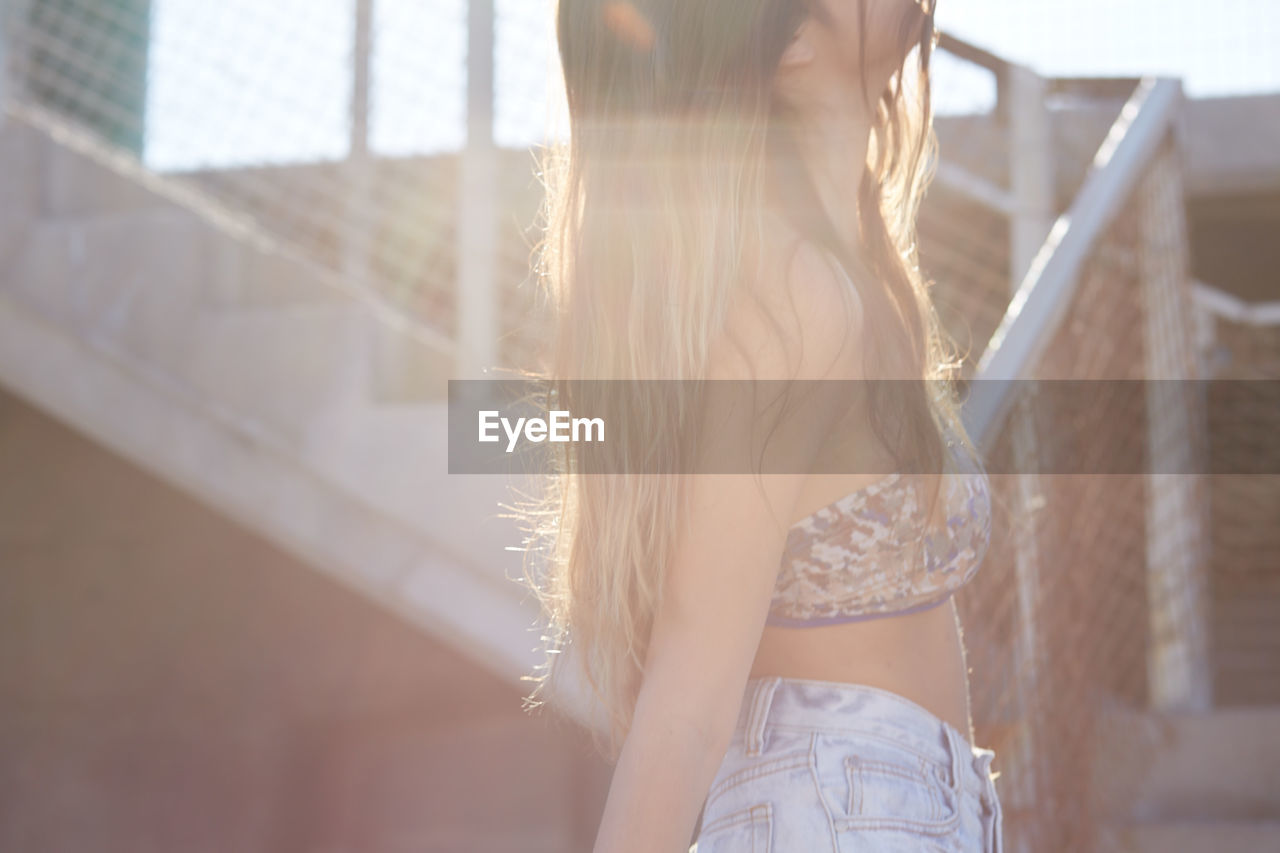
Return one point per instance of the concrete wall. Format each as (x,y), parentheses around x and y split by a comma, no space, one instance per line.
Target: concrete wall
(170,682)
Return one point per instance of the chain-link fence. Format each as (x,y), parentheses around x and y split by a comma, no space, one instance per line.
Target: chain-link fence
(338,131)
(1244,575)
(1089,594)
(418,185)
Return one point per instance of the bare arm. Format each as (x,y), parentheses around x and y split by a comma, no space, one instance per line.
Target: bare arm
(719,586)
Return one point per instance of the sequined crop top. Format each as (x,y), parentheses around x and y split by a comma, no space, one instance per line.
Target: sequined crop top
(863,556)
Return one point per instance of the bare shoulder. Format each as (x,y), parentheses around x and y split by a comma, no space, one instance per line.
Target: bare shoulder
(801,319)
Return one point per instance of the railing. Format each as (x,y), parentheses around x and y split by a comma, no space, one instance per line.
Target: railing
(1042,296)
(1094,593)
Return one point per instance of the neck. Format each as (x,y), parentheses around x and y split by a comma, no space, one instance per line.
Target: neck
(833,144)
(831,126)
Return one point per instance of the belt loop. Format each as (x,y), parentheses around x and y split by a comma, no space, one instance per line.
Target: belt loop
(997,820)
(997,810)
(994,817)
(759,713)
(957,780)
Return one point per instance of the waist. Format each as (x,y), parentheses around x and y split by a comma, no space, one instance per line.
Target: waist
(855,710)
(919,657)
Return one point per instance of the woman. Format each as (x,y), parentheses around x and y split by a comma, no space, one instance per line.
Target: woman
(781,665)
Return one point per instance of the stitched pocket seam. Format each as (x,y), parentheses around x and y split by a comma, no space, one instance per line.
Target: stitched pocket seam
(763,768)
(761,813)
(943,818)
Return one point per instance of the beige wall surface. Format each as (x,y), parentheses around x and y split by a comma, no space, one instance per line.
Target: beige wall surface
(170,682)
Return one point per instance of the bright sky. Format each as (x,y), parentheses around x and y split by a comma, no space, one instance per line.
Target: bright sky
(241,81)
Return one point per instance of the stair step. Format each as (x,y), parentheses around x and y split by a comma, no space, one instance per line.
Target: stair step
(22,156)
(283,368)
(140,272)
(78,185)
(411,365)
(249,276)
(1219,765)
(51,181)
(396,458)
(141,280)
(14,233)
(1195,837)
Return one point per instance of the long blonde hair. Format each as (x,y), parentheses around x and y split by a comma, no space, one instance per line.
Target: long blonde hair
(654,216)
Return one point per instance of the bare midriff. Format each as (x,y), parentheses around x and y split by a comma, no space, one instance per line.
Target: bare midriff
(919,655)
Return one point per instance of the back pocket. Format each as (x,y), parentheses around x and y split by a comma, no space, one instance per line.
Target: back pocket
(748,830)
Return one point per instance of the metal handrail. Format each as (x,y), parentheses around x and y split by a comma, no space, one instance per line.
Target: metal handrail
(971,52)
(1040,302)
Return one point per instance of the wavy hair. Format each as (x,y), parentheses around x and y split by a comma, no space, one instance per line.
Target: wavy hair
(654,218)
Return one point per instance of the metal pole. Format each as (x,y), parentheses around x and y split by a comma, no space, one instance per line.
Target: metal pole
(1032,188)
(356,174)
(1179,672)
(5,94)
(478,322)
(1031,168)
(363,49)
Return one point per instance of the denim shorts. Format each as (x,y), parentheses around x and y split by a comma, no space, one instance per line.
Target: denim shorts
(822,765)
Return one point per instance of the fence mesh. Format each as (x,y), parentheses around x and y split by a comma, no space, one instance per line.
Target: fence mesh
(1064,622)
(1059,624)
(1244,575)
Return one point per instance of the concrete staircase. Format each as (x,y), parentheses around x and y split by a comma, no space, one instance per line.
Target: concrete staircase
(1195,783)
(303,409)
